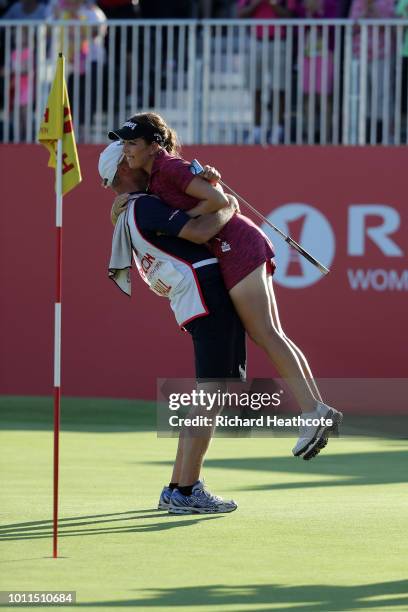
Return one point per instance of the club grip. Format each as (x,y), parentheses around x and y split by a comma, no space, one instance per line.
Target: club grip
(195,167)
(307,255)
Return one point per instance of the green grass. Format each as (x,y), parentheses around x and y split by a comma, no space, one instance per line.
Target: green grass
(319,536)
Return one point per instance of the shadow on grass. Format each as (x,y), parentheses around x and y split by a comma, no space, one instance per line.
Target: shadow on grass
(301,598)
(371,468)
(68,527)
(74,518)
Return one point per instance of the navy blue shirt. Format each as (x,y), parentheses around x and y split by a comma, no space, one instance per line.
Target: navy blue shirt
(152,215)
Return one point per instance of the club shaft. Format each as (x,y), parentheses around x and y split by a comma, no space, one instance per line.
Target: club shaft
(196,168)
(287,238)
(254,210)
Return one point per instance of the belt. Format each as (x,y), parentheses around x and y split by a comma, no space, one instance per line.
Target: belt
(205,262)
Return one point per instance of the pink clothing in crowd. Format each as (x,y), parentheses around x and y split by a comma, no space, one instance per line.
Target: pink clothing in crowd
(21,58)
(377,9)
(328,10)
(263,11)
(313,61)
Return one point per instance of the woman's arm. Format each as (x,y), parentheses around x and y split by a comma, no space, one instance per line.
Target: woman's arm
(232,201)
(211,197)
(203,229)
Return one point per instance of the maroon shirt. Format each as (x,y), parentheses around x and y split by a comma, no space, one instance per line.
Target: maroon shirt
(169,179)
(240,246)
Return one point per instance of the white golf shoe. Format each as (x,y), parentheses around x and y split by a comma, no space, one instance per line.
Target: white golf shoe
(314,437)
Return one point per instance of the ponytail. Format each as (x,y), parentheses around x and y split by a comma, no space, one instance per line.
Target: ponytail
(167,136)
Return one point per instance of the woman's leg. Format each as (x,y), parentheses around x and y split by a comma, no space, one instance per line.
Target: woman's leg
(307,372)
(252,301)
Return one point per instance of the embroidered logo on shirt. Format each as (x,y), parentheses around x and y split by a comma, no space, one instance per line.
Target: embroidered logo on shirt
(225,247)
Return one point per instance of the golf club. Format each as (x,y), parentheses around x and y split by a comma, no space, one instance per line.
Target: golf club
(197,169)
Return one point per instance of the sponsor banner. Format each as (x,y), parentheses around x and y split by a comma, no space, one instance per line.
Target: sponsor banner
(346,206)
(373,238)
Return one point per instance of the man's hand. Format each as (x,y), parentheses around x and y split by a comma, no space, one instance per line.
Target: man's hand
(119,206)
(210,174)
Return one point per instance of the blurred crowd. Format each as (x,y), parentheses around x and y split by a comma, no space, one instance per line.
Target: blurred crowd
(94,45)
(187,9)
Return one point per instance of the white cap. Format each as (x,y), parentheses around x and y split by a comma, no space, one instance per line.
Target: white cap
(109,160)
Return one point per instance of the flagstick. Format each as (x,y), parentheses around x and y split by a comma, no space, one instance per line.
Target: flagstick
(56,134)
(57,341)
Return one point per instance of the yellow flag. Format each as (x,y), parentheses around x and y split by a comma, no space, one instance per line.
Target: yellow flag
(57,124)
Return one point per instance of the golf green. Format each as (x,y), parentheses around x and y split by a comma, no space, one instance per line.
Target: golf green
(325,535)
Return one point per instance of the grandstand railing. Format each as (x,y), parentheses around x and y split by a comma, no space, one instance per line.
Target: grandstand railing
(326,82)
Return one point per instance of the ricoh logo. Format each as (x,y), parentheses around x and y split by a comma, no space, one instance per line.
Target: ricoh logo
(312,229)
(382,235)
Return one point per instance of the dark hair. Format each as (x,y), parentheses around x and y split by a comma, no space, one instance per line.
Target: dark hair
(169,139)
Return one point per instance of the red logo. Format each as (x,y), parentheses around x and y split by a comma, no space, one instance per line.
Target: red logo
(162,288)
(147,261)
(295,228)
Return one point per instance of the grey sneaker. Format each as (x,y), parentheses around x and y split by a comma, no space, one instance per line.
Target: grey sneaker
(164,498)
(201,501)
(312,438)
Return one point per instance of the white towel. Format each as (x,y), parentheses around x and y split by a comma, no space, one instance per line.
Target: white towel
(121,258)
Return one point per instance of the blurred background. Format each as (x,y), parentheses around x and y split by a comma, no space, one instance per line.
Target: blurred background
(322,72)
(302,105)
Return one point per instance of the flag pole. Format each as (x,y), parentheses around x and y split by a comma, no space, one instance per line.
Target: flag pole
(57,342)
(57,135)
